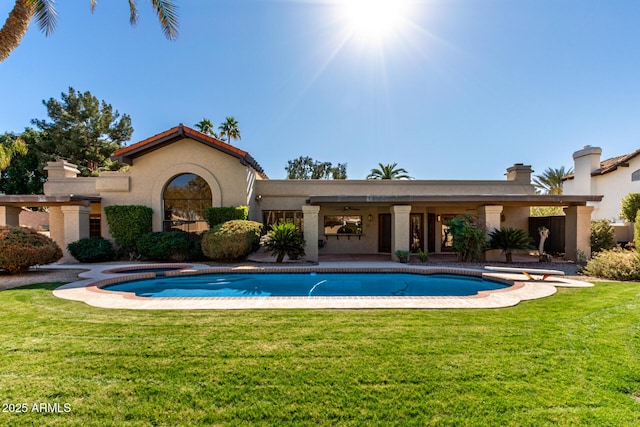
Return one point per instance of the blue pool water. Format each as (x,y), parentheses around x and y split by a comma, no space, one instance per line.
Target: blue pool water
(307,284)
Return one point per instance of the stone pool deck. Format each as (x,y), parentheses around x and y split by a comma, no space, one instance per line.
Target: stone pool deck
(88,289)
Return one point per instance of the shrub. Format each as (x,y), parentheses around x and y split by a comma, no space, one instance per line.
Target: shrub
(468,238)
(22,247)
(92,250)
(602,235)
(630,206)
(636,232)
(284,239)
(231,240)
(616,264)
(423,256)
(509,240)
(127,224)
(220,215)
(165,246)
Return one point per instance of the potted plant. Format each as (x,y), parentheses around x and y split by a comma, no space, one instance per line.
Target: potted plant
(403,256)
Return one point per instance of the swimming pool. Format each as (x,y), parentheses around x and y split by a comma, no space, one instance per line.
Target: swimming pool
(313,284)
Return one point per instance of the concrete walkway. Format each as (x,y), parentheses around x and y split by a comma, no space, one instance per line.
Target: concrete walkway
(88,289)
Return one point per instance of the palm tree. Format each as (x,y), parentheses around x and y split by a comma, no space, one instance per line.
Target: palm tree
(15,27)
(550,182)
(510,240)
(10,146)
(229,128)
(388,171)
(206,126)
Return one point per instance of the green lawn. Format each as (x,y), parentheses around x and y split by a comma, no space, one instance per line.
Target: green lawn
(570,359)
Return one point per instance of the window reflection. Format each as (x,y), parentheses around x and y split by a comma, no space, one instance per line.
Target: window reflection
(343,224)
(186,199)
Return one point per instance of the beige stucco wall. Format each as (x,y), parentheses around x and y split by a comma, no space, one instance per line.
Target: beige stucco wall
(231,182)
(614,186)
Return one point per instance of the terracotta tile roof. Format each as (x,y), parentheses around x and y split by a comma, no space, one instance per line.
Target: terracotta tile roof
(609,165)
(127,154)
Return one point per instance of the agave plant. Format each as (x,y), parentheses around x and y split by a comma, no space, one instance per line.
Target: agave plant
(510,240)
(284,239)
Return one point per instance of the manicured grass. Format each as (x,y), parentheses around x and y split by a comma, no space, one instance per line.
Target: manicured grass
(570,359)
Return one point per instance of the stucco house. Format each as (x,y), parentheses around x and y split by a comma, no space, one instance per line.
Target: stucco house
(180,172)
(612,178)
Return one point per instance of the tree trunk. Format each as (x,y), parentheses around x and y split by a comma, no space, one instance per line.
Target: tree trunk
(280,258)
(14,28)
(509,257)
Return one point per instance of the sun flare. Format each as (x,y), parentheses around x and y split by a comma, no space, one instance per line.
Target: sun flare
(375,20)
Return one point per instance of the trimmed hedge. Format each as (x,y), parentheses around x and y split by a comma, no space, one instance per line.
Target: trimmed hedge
(220,215)
(232,240)
(92,250)
(165,246)
(127,224)
(22,247)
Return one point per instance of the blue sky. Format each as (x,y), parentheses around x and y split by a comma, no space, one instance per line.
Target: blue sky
(459,89)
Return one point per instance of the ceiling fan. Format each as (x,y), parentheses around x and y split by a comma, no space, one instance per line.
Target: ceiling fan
(349,208)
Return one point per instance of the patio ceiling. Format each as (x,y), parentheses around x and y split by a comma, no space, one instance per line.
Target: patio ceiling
(33,201)
(481,199)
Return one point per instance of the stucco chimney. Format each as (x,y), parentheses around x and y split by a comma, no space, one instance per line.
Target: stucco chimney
(61,169)
(519,172)
(585,161)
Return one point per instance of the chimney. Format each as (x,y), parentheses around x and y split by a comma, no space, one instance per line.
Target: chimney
(585,162)
(61,169)
(519,172)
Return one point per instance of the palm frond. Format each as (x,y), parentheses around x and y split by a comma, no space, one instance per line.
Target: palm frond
(133,12)
(45,14)
(168,14)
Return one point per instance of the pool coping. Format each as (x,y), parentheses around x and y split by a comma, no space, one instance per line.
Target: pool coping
(88,290)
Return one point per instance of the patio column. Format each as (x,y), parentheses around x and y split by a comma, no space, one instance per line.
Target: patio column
(310,218)
(10,215)
(400,229)
(577,232)
(489,220)
(489,217)
(76,226)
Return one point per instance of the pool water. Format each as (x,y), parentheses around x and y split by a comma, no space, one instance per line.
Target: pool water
(306,285)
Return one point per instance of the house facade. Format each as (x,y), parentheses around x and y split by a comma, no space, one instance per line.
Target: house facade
(181,172)
(612,178)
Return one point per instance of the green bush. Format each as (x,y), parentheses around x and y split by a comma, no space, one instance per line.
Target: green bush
(602,235)
(284,239)
(468,239)
(231,240)
(630,206)
(220,215)
(165,246)
(616,264)
(127,224)
(636,232)
(22,247)
(92,250)
(509,240)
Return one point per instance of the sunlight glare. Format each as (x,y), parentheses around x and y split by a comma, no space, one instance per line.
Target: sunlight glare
(374,20)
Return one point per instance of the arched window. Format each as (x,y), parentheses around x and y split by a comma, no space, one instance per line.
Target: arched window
(185,201)
(635,176)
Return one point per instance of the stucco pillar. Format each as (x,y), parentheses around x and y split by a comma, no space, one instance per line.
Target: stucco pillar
(76,226)
(489,217)
(577,232)
(489,220)
(310,217)
(9,215)
(400,229)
